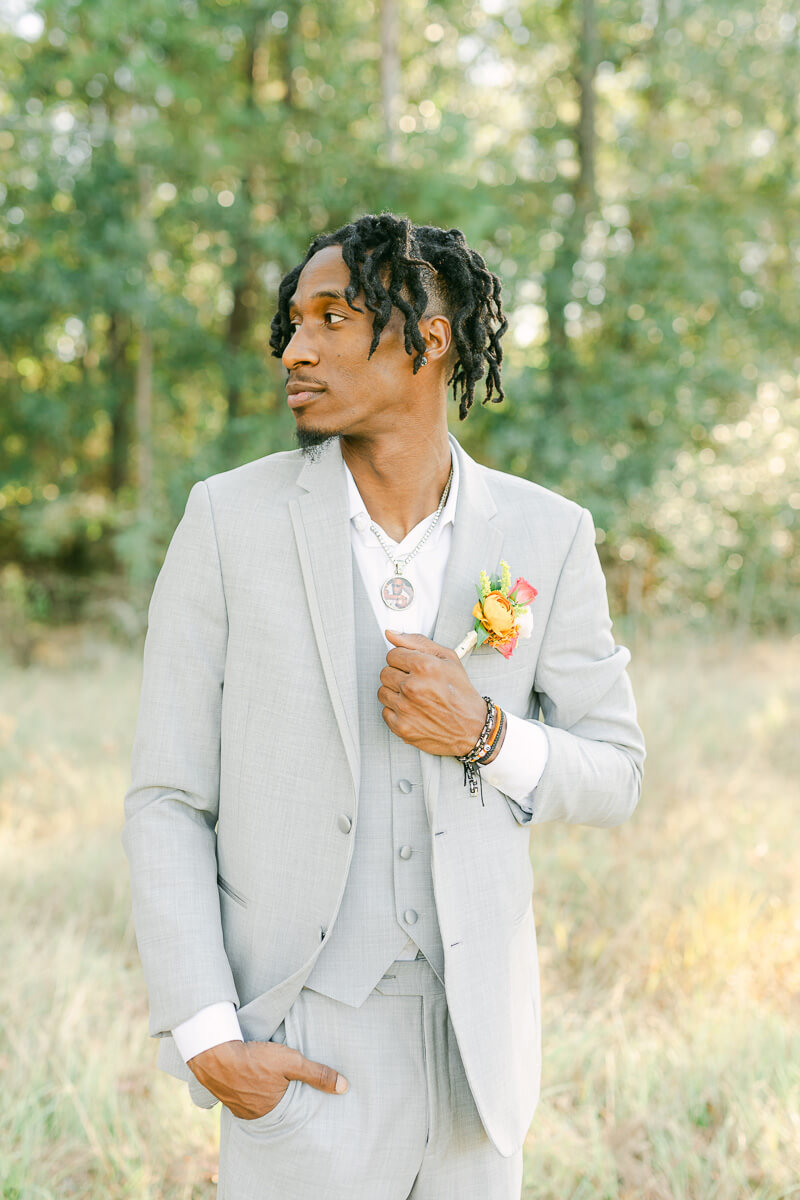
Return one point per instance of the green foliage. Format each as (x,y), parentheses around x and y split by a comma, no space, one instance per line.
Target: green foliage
(70,531)
(23,606)
(722,521)
(482,633)
(161,174)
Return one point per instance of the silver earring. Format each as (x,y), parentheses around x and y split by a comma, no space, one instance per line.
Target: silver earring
(423,362)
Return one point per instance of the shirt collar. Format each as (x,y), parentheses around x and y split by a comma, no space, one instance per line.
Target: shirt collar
(448,512)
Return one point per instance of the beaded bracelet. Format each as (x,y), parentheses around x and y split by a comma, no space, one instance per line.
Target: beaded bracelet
(480,747)
(499,725)
(482,750)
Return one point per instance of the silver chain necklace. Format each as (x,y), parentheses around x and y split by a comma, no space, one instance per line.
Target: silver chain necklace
(397,592)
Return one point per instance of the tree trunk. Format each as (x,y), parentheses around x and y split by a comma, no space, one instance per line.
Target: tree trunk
(587,65)
(558,284)
(144,369)
(119,381)
(390,74)
(240,318)
(144,418)
(655,91)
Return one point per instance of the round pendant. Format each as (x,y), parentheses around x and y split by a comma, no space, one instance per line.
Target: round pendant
(397,592)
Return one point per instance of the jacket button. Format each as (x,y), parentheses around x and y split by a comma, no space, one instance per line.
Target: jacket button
(344,823)
(405,852)
(405,785)
(409,916)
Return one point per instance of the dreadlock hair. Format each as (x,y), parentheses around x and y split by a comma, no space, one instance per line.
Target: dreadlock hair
(409,267)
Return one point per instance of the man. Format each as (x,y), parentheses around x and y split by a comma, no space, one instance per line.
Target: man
(337,934)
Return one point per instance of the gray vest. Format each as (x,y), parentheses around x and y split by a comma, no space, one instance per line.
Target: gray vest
(388,896)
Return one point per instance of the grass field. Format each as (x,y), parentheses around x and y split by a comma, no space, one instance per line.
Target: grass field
(669,948)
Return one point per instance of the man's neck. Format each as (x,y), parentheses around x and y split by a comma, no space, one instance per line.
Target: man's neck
(400,483)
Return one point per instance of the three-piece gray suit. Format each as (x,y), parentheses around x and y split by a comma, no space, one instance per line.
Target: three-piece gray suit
(269,798)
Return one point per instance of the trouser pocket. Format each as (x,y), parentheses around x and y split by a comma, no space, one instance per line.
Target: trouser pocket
(277,1114)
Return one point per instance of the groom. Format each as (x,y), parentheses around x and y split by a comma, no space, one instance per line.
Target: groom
(336,932)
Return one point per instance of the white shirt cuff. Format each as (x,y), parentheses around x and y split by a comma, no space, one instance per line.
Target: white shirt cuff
(209,1027)
(520,760)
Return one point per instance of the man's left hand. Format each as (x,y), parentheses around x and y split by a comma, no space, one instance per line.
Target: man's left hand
(428,697)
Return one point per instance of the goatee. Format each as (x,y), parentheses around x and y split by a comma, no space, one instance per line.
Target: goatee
(312,441)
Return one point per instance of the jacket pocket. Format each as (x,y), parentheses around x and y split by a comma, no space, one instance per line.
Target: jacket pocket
(231,891)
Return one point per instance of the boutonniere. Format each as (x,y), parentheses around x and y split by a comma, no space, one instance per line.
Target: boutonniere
(502,613)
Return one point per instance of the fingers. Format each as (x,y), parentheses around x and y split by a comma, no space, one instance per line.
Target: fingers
(320,1076)
(394,679)
(261,1079)
(419,643)
(394,701)
(404,658)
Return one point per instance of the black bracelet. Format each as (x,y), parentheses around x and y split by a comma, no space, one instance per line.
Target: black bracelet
(480,752)
(481,762)
(481,746)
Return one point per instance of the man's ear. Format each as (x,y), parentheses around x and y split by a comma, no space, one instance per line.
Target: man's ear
(438,337)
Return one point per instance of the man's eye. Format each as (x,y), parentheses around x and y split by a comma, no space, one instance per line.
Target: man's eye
(338,316)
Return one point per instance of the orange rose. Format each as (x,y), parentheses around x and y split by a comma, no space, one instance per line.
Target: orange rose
(498,615)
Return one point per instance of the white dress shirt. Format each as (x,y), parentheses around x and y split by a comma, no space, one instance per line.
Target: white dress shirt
(520,760)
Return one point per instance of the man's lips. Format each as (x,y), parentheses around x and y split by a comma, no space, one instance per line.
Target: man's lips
(299,393)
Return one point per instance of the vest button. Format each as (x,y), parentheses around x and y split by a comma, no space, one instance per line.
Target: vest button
(344,822)
(405,852)
(409,916)
(405,785)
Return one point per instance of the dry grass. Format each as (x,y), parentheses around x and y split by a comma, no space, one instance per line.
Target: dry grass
(670,950)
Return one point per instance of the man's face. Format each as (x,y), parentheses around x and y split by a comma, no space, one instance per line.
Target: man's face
(355,395)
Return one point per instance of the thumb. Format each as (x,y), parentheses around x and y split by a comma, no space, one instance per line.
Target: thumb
(326,1079)
(417,641)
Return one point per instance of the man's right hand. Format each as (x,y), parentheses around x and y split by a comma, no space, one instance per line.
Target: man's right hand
(251,1077)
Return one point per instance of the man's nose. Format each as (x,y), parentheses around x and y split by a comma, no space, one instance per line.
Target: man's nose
(299,350)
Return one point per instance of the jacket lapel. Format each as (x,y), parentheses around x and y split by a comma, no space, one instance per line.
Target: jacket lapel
(477,544)
(322,533)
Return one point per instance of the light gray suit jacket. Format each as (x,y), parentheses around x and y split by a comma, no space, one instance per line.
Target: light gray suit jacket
(247,749)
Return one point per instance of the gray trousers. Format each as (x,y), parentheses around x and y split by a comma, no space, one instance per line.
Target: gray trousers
(406,1129)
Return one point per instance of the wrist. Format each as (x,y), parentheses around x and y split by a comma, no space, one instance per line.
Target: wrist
(488,736)
(475,728)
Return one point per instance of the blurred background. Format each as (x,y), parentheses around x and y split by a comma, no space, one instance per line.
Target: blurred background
(629,169)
